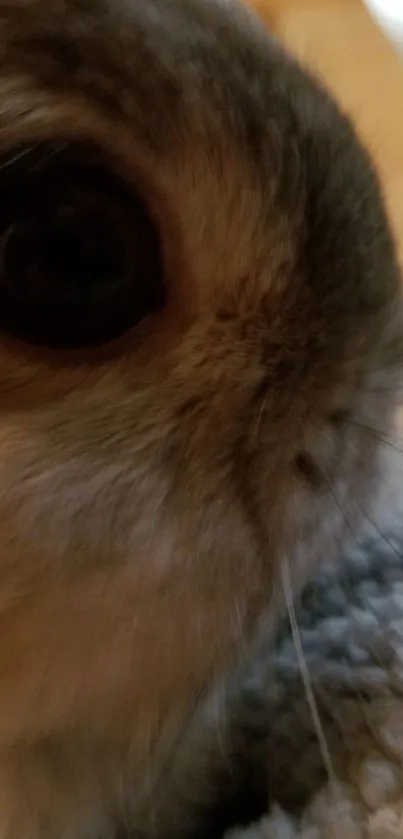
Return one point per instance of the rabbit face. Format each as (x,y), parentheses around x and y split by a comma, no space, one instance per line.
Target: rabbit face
(199,302)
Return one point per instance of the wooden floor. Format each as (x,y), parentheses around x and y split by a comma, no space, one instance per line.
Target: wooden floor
(339,39)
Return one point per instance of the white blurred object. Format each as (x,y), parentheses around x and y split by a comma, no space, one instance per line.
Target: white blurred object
(389,14)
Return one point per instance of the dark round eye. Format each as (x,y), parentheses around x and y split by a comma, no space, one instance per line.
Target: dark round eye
(80,260)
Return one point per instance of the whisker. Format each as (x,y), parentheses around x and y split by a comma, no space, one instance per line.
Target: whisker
(36,162)
(357,542)
(259,417)
(343,513)
(344,731)
(303,667)
(381,535)
(51,153)
(20,155)
(361,548)
(376,434)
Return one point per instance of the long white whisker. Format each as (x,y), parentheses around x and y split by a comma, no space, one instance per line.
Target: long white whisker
(310,696)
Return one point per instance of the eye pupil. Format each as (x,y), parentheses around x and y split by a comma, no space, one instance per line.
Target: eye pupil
(74,248)
(85,246)
(80,259)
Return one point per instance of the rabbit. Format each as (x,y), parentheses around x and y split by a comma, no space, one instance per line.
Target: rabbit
(200,353)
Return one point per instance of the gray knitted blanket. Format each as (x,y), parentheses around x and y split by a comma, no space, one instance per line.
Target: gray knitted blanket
(341,776)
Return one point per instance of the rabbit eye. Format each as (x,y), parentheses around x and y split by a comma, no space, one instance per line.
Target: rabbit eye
(80,258)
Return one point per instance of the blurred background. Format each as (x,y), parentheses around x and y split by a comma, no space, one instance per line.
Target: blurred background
(389,14)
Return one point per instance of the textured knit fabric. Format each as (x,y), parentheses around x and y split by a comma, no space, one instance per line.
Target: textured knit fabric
(351,625)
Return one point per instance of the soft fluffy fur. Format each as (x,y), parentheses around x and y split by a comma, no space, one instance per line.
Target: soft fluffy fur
(152,491)
(340,42)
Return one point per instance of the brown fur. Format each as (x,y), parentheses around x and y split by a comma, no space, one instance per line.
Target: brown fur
(341,42)
(151,488)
